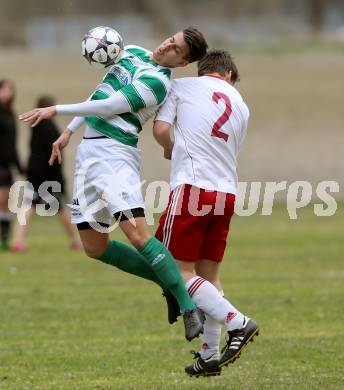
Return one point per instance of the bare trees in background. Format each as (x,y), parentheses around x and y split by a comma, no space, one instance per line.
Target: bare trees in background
(163,15)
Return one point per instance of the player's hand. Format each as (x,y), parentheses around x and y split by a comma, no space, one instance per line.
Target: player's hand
(58,146)
(38,114)
(168,151)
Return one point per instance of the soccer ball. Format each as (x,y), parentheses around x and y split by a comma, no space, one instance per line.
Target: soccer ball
(102,46)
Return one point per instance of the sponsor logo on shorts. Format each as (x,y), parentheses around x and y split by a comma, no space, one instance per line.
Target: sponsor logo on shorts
(75,202)
(125,195)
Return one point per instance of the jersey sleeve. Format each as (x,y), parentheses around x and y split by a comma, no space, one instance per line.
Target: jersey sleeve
(149,89)
(76,123)
(168,111)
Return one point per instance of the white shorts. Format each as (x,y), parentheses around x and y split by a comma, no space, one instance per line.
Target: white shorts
(106,180)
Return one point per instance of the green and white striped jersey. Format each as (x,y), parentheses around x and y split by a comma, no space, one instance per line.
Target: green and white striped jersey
(145,86)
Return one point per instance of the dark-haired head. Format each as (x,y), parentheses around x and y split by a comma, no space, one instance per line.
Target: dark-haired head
(181,48)
(197,44)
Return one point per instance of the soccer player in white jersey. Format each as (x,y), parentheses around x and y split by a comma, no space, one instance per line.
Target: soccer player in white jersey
(108,163)
(209,118)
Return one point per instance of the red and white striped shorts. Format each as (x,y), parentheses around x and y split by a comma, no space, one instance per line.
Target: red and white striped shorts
(196,222)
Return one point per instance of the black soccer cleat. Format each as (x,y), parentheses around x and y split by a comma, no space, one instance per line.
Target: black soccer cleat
(193,323)
(237,340)
(173,308)
(204,367)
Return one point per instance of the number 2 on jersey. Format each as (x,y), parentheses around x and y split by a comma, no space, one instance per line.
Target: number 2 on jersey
(216,132)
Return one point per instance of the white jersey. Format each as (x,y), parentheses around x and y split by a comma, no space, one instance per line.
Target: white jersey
(210,120)
(128,96)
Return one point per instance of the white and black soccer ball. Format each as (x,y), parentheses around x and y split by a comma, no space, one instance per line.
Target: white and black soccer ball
(102,46)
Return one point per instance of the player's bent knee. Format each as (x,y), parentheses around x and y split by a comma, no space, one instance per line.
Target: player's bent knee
(138,239)
(93,252)
(94,243)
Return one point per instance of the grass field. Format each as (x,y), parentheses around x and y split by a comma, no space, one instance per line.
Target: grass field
(67,322)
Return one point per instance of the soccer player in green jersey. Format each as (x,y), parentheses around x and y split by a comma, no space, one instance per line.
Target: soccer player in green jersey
(107,171)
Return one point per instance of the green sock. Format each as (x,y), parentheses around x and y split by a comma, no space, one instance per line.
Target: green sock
(129,260)
(167,270)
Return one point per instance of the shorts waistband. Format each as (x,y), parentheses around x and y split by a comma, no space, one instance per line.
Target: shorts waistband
(100,137)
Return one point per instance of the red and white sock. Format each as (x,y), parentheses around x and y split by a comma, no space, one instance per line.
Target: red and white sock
(207,297)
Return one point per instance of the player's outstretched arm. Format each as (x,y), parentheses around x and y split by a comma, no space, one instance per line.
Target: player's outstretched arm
(38,114)
(146,91)
(114,105)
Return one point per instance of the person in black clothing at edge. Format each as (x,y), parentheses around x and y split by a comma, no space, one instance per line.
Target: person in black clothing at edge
(8,157)
(38,172)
